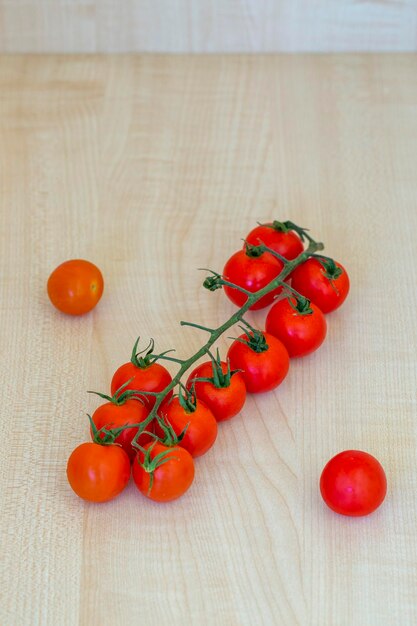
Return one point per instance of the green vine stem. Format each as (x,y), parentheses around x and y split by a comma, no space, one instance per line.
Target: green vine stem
(216,281)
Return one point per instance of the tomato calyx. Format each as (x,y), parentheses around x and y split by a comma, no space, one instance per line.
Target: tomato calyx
(216,281)
(213,282)
(280,227)
(252,251)
(331,270)
(302,305)
(187,398)
(170,439)
(150,465)
(285,227)
(255,339)
(188,401)
(299,303)
(119,400)
(145,361)
(303,234)
(105,436)
(220,379)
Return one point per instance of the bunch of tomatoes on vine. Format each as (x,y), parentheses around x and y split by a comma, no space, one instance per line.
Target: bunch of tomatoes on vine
(153,425)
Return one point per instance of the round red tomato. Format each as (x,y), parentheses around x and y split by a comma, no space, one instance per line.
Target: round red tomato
(298,324)
(224,397)
(353,483)
(112,415)
(201,432)
(98,473)
(75,287)
(324,282)
(264,363)
(170,479)
(252,271)
(278,237)
(154,377)
(142,373)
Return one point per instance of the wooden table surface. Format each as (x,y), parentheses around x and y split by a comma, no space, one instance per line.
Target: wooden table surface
(152,167)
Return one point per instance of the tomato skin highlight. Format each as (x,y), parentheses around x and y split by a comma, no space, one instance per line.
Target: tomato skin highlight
(301,334)
(288,245)
(202,426)
(112,415)
(75,287)
(251,273)
(223,402)
(353,483)
(98,473)
(155,377)
(261,371)
(171,480)
(310,280)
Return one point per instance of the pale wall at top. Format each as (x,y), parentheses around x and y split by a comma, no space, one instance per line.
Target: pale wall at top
(207,25)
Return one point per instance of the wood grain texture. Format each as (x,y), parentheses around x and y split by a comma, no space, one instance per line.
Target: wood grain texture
(152,167)
(82,26)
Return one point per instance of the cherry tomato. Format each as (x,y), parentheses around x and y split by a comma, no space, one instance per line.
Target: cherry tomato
(353,483)
(112,415)
(277,236)
(144,374)
(252,271)
(202,426)
(224,400)
(324,282)
(263,359)
(154,377)
(170,479)
(298,324)
(75,287)
(98,473)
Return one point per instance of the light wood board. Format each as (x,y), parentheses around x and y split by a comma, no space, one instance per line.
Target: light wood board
(74,26)
(152,167)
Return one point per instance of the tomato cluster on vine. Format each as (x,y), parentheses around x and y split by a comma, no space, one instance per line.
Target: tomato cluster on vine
(146,430)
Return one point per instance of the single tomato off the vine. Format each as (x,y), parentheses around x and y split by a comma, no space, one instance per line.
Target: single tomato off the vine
(262,359)
(251,270)
(221,390)
(163,473)
(278,237)
(323,281)
(353,483)
(201,425)
(98,473)
(298,324)
(75,287)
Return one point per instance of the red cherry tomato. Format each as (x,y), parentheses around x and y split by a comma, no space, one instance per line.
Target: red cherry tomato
(111,415)
(154,377)
(298,324)
(223,401)
(98,473)
(277,236)
(201,432)
(144,374)
(170,479)
(353,483)
(263,359)
(324,282)
(252,273)
(75,287)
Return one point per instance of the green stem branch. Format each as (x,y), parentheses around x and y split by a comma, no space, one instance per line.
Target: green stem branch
(313,247)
